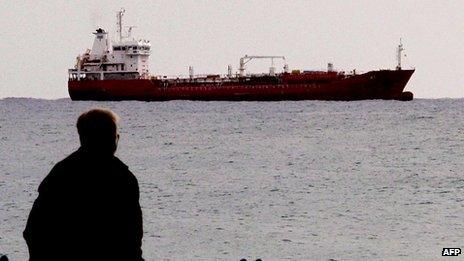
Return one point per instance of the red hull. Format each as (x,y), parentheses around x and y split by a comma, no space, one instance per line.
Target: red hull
(386,84)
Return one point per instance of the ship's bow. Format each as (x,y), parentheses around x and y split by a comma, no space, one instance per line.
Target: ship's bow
(400,79)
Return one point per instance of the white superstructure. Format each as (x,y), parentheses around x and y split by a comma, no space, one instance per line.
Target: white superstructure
(124,58)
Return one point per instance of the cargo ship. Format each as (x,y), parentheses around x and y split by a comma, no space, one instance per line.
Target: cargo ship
(119,70)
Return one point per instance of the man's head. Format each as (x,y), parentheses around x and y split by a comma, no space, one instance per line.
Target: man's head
(98,131)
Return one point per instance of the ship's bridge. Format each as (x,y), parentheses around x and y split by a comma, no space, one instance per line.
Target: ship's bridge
(124,58)
(140,47)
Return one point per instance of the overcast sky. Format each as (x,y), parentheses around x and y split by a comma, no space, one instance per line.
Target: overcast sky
(39,40)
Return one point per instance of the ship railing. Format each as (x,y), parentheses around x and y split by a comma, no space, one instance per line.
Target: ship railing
(209,77)
(196,77)
(136,52)
(196,80)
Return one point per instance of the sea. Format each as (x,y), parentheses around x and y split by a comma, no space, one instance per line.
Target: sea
(290,180)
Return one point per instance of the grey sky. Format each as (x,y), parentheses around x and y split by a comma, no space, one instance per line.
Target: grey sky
(39,40)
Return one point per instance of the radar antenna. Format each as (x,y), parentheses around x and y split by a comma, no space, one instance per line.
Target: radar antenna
(129,30)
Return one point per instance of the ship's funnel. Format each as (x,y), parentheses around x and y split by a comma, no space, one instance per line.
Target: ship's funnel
(100,44)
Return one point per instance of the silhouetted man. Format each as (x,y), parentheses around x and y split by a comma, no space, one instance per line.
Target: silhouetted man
(88,205)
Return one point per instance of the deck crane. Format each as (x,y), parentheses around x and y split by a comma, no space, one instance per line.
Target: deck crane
(245,59)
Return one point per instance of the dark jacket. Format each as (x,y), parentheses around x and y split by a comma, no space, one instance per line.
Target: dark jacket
(87,209)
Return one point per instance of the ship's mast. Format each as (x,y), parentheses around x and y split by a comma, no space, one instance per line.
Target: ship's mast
(119,15)
(399,54)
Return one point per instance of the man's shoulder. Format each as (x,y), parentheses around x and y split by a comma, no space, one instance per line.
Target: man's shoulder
(71,167)
(71,162)
(124,169)
(58,171)
(118,163)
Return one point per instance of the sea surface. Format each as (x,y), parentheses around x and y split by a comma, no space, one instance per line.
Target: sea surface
(306,180)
